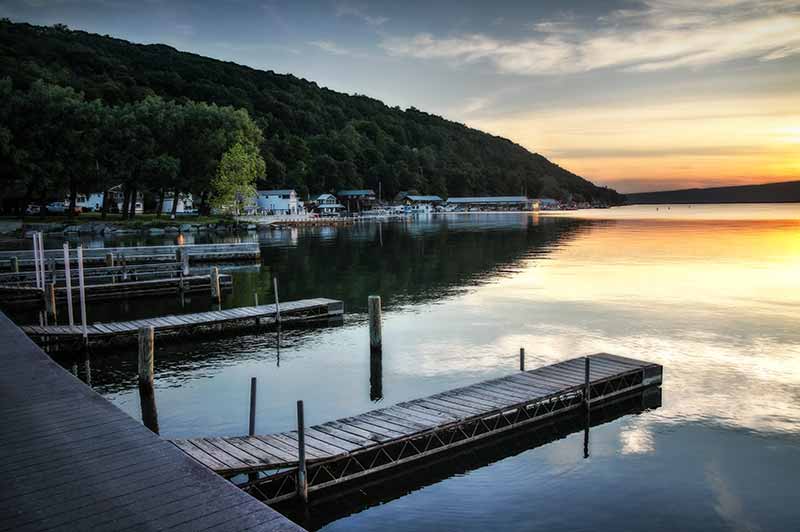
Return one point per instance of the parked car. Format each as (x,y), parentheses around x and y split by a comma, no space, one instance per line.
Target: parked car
(60,207)
(33,209)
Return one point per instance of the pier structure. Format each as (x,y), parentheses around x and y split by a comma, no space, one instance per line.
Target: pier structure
(288,311)
(284,465)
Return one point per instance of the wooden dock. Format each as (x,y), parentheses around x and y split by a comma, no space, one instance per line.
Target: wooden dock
(353,447)
(248,251)
(302,310)
(22,295)
(73,461)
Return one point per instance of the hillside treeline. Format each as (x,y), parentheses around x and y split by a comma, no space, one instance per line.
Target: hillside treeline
(314,139)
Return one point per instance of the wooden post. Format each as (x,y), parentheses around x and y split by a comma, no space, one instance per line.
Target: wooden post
(51,267)
(277,303)
(109,260)
(252,428)
(82,288)
(184,261)
(68,277)
(14,264)
(147,396)
(146,349)
(375,375)
(41,256)
(215,291)
(255,298)
(375,339)
(36,260)
(302,483)
(522,359)
(586,384)
(50,299)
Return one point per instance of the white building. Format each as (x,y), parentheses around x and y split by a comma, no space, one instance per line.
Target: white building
(185,203)
(279,202)
(327,205)
(93,202)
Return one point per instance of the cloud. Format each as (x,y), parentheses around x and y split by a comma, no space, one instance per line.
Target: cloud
(332,48)
(347,9)
(660,35)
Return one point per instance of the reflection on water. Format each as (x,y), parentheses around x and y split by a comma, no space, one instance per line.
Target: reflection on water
(713,297)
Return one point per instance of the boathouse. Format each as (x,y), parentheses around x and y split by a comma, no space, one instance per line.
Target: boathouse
(491,203)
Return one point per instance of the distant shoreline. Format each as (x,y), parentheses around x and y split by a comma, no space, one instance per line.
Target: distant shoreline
(784,192)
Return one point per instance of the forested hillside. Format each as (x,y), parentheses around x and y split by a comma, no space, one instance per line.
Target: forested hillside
(313,139)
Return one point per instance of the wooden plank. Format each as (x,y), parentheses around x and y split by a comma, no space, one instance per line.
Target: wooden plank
(403,422)
(331,439)
(231,462)
(358,440)
(358,431)
(384,424)
(200,455)
(311,451)
(278,447)
(324,449)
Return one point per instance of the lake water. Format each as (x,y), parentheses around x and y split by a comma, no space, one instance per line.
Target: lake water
(710,292)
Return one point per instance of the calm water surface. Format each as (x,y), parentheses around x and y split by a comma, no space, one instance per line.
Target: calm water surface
(712,293)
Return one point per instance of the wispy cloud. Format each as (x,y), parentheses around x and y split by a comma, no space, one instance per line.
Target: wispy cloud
(333,48)
(660,35)
(348,9)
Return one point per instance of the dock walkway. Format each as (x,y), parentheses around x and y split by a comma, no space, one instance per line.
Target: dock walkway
(352,447)
(73,461)
(304,309)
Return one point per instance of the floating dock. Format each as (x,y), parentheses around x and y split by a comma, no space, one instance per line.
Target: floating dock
(73,461)
(353,447)
(103,291)
(290,311)
(247,251)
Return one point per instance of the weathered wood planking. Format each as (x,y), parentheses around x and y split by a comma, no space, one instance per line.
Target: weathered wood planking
(448,419)
(298,310)
(143,254)
(73,461)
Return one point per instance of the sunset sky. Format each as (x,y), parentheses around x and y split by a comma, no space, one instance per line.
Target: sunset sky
(636,95)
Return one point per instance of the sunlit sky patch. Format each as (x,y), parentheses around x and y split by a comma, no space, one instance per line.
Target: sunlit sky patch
(637,95)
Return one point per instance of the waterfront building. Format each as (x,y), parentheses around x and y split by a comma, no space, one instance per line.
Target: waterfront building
(279,202)
(357,200)
(492,203)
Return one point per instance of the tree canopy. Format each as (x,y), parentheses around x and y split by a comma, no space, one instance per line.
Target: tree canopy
(314,139)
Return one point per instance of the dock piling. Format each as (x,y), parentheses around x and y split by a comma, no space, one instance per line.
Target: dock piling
(277,302)
(375,336)
(14,262)
(68,278)
(147,396)
(41,256)
(82,288)
(109,260)
(50,299)
(216,293)
(302,483)
(36,260)
(522,359)
(252,427)
(586,384)
(183,258)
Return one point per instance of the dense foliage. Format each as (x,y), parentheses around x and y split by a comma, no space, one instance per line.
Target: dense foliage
(315,139)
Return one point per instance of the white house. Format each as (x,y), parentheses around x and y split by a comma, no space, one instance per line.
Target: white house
(327,205)
(279,202)
(94,200)
(185,203)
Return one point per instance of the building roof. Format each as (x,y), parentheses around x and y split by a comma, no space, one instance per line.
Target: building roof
(413,197)
(490,199)
(355,193)
(322,196)
(276,192)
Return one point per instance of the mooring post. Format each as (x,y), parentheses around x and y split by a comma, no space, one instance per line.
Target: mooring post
(252,428)
(255,298)
(41,256)
(522,359)
(109,259)
(147,395)
(586,384)
(82,288)
(302,484)
(51,267)
(184,260)
(375,337)
(277,302)
(146,349)
(50,299)
(68,279)
(215,291)
(36,260)
(14,264)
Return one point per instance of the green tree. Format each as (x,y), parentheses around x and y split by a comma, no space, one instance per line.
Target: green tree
(234,185)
